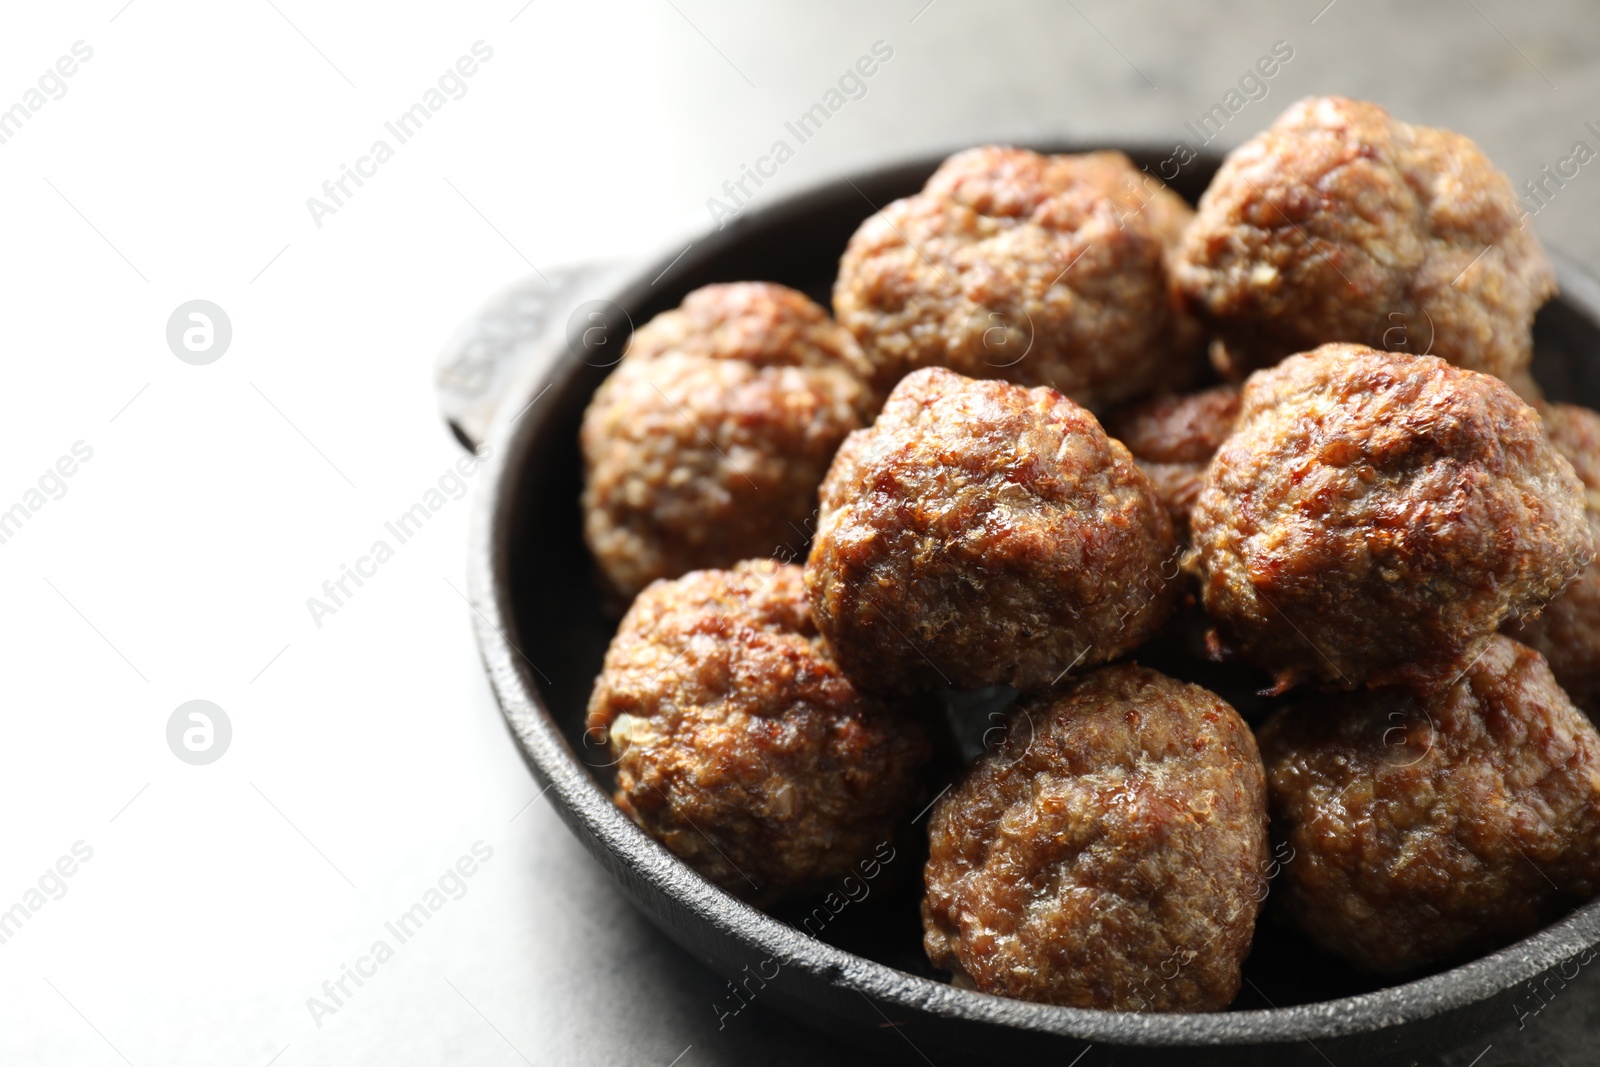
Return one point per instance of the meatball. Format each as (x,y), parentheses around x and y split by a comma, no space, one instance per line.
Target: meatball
(1043,270)
(980,534)
(1567,631)
(1427,830)
(1340,223)
(1173,438)
(737,742)
(1375,517)
(706,445)
(1110,852)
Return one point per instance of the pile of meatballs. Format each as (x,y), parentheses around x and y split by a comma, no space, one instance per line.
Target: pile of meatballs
(1060,430)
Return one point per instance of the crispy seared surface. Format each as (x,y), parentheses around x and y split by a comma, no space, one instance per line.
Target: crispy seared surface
(980,533)
(1111,852)
(1375,517)
(737,741)
(1426,830)
(707,443)
(1567,631)
(1341,223)
(1043,270)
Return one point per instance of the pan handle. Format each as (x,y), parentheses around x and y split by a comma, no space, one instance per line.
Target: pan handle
(515,329)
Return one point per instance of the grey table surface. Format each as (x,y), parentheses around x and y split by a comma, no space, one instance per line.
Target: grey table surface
(368,754)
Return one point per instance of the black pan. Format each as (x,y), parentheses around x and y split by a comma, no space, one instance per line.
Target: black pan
(542,632)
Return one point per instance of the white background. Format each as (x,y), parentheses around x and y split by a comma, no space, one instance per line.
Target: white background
(366,754)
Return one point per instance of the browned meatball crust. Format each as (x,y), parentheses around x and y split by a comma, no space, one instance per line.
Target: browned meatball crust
(739,745)
(1567,631)
(706,445)
(1109,853)
(1426,830)
(1043,270)
(1340,223)
(979,534)
(1375,517)
(1173,438)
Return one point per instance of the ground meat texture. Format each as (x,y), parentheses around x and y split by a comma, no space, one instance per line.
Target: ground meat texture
(706,445)
(1429,830)
(1173,438)
(1340,223)
(1375,517)
(1109,853)
(740,746)
(979,534)
(1042,270)
(1567,631)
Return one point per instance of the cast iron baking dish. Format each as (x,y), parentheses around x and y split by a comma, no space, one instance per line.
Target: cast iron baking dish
(543,632)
